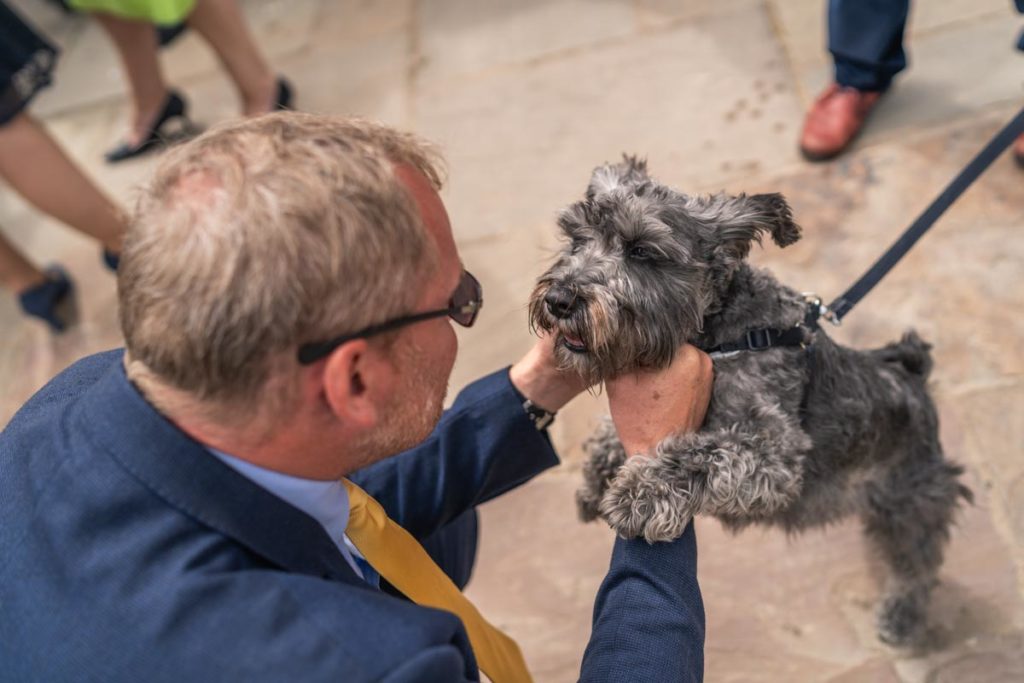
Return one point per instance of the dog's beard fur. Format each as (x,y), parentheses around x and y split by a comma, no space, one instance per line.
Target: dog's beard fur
(616,340)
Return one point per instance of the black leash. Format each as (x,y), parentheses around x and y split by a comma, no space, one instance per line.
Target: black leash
(762,339)
(1003,139)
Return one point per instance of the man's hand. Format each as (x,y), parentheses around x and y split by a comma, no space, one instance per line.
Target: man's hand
(538,378)
(650,405)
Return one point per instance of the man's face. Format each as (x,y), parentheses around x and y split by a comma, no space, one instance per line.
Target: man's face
(424,353)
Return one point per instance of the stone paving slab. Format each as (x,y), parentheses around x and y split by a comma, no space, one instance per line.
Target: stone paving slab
(340,21)
(994,419)
(462,37)
(653,13)
(660,94)
(366,78)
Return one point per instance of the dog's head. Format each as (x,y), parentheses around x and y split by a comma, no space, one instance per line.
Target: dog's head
(641,266)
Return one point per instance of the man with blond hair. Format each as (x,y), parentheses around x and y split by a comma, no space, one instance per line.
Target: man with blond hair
(261,486)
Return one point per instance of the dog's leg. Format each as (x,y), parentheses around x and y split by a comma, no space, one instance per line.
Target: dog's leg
(655,497)
(605,456)
(907,521)
(752,476)
(723,472)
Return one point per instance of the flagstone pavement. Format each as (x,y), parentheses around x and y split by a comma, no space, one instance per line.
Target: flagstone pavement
(526,96)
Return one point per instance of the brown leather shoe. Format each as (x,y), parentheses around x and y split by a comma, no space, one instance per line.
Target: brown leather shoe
(1018,150)
(834,120)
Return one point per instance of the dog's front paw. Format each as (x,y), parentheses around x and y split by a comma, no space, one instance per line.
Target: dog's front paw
(640,501)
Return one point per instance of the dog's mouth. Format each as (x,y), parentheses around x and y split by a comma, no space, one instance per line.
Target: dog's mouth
(574,344)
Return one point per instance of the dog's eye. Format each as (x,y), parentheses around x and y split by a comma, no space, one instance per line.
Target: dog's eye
(640,253)
(577,245)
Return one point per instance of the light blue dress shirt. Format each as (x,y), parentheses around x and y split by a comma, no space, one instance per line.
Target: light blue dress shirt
(324,501)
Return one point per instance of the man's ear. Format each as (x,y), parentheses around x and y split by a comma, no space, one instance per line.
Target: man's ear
(630,171)
(353,376)
(737,222)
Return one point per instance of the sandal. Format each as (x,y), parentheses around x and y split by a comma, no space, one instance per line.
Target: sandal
(284,97)
(52,301)
(174,108)
(111,259)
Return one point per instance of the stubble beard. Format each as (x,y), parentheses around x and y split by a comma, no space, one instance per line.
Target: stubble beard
(414,410)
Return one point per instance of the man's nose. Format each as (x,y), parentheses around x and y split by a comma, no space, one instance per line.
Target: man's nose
(561,301)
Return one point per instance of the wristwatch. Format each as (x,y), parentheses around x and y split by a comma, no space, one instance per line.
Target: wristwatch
(541,418)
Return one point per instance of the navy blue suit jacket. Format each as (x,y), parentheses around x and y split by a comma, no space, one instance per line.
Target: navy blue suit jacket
(129,553)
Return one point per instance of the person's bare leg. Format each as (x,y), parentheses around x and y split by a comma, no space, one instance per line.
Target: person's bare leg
(54,184)
(222,24)
(136,43)
(16,272)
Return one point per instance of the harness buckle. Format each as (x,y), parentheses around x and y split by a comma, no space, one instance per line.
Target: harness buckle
(758,340)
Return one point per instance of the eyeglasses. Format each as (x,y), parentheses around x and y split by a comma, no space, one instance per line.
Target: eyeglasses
(463,307)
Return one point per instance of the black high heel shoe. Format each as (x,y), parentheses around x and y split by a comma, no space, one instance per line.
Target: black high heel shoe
(175,107)
(284,97)
(111,259)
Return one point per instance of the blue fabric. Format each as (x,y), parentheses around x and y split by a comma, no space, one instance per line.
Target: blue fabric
(325,500)
(648,616)
(129,553)
(865,38)
(370,574)
(453,547)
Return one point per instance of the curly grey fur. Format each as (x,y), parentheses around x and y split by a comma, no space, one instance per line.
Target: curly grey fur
(646,269)
(606,457)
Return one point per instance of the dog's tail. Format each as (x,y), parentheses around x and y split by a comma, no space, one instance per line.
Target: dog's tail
(912,352)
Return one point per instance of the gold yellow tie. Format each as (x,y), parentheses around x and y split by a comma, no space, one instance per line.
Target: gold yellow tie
(400,559)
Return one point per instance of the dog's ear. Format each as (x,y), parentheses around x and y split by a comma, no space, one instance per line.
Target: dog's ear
(630,171)
(738,221)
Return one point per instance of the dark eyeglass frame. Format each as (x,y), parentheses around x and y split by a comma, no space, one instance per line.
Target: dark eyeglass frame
(464,313)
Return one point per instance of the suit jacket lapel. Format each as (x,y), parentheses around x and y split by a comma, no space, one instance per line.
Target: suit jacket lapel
(183,473)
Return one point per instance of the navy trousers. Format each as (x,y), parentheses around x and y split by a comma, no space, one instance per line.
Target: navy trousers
(865,38)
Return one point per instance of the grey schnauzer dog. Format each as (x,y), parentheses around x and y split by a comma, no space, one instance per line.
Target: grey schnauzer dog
(796,436)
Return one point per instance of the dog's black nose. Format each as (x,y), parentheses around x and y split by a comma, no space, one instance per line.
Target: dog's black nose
(561,301)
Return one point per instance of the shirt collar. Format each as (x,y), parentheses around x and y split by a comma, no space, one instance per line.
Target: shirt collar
(324,501)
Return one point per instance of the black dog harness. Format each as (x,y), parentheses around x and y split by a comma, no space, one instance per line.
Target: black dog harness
(764,338)
(801,335)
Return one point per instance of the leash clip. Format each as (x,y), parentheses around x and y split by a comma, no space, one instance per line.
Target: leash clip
(830,315)
(822,309)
